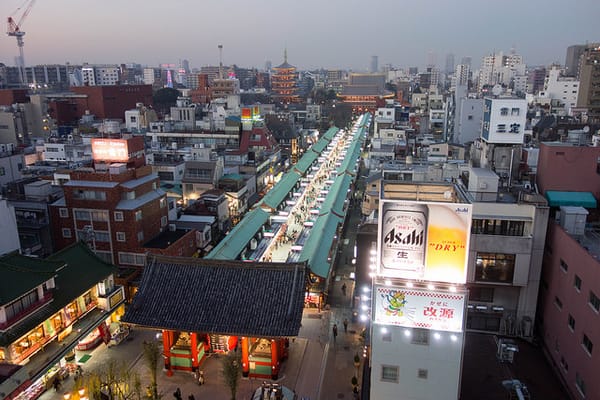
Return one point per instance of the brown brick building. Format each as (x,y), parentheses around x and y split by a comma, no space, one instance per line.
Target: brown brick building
(117,208)
(112,101)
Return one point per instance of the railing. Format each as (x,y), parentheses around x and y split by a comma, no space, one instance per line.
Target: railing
(17,317)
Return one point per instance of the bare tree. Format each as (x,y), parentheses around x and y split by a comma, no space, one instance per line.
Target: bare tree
(152,357)
(232,370)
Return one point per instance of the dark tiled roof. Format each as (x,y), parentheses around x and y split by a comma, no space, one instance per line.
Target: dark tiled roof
(20,274)
(82,270)
(220,296)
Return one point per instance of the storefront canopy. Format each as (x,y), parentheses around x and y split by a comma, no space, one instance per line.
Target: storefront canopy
(581,199)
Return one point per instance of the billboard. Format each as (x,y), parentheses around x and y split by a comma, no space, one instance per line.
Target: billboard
(416,308)
(110,150)
(423,240)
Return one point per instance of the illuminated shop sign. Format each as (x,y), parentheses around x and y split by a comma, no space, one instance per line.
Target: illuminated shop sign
(110,150)
(415,308)
(424,241)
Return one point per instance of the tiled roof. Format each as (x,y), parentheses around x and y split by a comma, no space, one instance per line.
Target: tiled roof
(217,296)
(82,270)
(20,274)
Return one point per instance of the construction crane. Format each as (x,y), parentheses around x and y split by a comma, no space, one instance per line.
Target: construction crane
(14,29)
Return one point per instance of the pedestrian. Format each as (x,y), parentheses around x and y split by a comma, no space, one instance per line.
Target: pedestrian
(177,394)
(344,289)
(334,331)
(345,325)
(201,378)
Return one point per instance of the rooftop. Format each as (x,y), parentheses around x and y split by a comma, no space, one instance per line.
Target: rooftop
(166,238)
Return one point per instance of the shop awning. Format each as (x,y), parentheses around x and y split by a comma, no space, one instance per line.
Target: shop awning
(581,199)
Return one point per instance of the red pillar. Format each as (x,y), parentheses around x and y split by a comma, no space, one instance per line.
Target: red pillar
(194,340)
(167,343)
(274,359)
(245,358)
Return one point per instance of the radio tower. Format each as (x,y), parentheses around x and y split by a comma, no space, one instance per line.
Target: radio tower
(14,29)
(220,61)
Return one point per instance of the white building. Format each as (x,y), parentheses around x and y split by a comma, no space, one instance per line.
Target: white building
(418,296)
(562,88)
(500,69)
(100,75)
(504,120)
(70,150)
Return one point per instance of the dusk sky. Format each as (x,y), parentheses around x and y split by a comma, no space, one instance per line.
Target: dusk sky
(317,33)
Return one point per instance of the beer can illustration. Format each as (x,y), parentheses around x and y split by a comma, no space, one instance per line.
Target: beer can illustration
(404,239)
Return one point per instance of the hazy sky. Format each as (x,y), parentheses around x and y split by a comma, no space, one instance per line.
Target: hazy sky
(317,33)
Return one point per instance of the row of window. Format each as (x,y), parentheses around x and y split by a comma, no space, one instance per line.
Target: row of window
(21,304)
(498,227)
(593,299)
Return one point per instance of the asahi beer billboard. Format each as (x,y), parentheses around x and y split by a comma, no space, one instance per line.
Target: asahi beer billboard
(416,308)
(424,240)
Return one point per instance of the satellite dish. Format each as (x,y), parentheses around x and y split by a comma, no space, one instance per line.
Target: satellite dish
(497,90)
(586,129)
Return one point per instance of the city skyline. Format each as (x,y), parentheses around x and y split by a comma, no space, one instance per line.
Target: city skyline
(58,31)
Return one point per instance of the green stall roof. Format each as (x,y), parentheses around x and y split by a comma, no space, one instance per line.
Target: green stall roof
(233,244)
(279,192)
(581,199)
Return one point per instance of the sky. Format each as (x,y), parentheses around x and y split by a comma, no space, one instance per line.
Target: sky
(317,33)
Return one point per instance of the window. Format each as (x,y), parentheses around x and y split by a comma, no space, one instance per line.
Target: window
(483,294)
(138,215)
(163,221)
(563,265)
(199,173)
(2,171)
(420,336)
(580,383)
(386,336)
(422,373)
(82,214)
(564,364)
(389,373)
(558,302)
(587,344)
(470,117)
(165,176)
(118,215)
(80,194)
(594,301)
(577,283)
(66,233)
(140,236)
(120,236)
(498,227)
(163,202)
(571,322)
(63,212)
(495,267)
(132,258)
(18,306)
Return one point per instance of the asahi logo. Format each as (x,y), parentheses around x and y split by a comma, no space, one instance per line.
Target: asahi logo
(415,237)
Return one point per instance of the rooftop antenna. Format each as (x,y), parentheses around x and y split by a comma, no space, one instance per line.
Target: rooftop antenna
(220,61)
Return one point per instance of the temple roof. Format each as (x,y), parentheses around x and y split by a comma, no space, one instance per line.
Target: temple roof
(220,296)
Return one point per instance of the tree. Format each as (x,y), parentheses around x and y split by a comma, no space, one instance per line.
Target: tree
(232,370)
(152,357)
(116,381)
(164,99)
